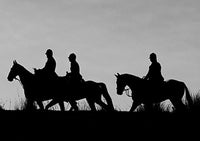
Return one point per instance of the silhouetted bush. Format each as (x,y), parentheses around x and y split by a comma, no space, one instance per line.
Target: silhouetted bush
(26,106)
(1,108)
(195,107)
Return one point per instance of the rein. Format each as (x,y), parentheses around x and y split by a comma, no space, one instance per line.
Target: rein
(19,81)
(127,92)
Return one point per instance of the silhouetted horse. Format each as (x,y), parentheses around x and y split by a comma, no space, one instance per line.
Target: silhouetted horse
(34,90)
(142,91)
(91,91)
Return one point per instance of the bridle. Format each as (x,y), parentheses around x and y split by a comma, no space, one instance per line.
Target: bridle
(18,80)
(127,92)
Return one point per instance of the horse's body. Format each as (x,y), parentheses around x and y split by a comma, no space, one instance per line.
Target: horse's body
(58,91)
(144,92)
(90,90)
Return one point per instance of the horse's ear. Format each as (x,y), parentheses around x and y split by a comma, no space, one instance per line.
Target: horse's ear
(15,62)
(117,75)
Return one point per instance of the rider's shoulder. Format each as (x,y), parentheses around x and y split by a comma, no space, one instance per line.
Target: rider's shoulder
(156,64)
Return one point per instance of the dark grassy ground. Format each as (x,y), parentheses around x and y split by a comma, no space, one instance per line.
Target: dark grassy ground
(84,125)
(97,125)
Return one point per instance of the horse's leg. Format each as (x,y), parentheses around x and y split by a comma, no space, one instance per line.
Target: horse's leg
(73,105)
(30,104)
(40,104)
(103,105)
(71,109)
(62,106)
(134,106)
(53,102)
(106,96)
(91,104)
(148,107)
(178,104)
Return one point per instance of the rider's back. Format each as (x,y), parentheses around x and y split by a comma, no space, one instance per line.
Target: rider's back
(50,66)
(155,72)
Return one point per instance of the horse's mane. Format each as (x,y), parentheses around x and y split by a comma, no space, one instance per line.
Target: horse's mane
(130,76)
(24,69)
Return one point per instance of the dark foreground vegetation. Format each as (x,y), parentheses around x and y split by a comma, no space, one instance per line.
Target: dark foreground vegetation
(69,125)
(85,124)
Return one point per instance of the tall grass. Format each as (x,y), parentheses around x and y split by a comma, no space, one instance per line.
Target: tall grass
(83,106)
(1,108)
(156,108)
(195,106)
(168,107)
(25,106)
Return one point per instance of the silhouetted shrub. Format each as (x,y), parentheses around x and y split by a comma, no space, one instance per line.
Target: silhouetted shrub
(195,107)
(1,108)
(26,106)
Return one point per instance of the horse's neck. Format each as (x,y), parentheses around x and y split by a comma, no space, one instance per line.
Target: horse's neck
(132,81)
(25,75)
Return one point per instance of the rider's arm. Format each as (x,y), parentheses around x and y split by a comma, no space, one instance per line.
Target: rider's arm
(148,74)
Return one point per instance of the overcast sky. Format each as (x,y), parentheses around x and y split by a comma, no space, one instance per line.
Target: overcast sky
(108,36)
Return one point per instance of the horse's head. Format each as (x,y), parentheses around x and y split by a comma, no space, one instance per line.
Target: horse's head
(120,84)
(14,71)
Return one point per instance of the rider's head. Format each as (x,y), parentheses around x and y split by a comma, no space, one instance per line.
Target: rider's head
(153,57)
(72,57)
(49,53)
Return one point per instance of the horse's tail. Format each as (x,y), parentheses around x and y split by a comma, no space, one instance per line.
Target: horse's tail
(106,95)
(188,97)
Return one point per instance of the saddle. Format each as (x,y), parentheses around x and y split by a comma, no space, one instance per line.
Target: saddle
(75,82)
(156,87)
(45,78)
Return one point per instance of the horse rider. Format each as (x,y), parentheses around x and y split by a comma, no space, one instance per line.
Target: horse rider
(48,71)
(74,76)
(154,73)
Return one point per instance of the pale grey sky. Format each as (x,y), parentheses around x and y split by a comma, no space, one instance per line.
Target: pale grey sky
(109,36)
